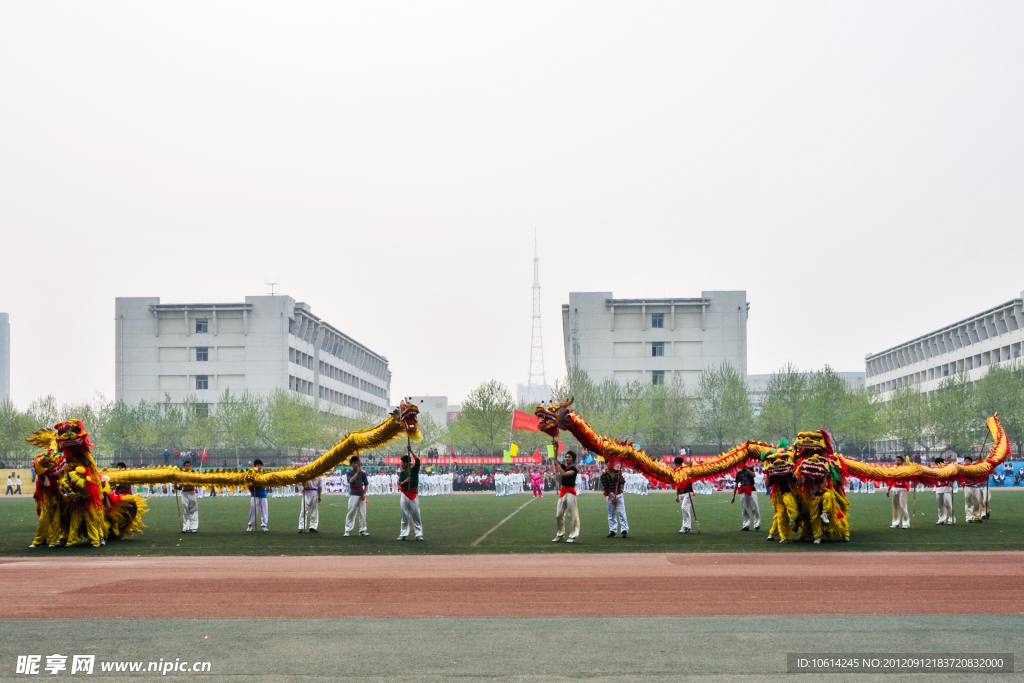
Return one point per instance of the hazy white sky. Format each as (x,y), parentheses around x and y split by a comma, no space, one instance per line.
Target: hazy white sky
(855,167)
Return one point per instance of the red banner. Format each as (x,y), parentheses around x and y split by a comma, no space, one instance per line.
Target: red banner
(670,459)
(525,421)
(480,460)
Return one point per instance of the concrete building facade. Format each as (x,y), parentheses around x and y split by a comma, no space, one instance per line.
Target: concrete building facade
(992,336)
(655,340)
(434,406)
(5,357)
(196,351)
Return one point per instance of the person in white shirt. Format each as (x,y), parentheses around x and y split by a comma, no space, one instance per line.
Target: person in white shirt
(974,499)
(309,515)
(898,492)
(189,504)
(944,499)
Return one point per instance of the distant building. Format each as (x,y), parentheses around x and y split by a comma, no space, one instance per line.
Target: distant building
(532,394)
(757,387)
(454,410)
(655,340)
(434,406)
(5,357)
(264,344)
(992,336)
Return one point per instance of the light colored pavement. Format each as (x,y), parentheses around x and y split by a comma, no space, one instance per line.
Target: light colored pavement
(749,648)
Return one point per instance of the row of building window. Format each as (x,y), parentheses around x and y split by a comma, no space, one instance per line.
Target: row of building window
(336,346)
(337,374)
(342,399)
(1004,354)
(951,341)
(300,358)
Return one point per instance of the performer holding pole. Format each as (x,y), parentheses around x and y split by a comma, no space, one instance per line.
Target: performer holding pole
(684,496)
(567,499)
(409,487)
(898,492)
(190,502)
(748,498)
(612,483)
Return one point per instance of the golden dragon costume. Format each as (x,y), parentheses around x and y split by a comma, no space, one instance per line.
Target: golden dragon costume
(806,482)
(85,491)
(72,497)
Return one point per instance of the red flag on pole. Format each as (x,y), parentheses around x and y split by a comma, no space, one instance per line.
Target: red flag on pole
(561,445)
(525,421)
(203,461)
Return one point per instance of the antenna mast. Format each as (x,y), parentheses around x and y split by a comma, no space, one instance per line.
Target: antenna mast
(537,375)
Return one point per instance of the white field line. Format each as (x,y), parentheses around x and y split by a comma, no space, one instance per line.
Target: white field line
(495,527)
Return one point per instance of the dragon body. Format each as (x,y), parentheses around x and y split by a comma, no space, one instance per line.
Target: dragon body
(76,495)
(806,482)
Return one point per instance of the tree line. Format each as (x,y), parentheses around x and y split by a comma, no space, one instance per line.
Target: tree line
(282,423)
(717,414)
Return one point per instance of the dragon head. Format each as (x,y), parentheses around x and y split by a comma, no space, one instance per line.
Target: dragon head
(408,415)
(71,434)
(815,457)
(778,462)
(553,418)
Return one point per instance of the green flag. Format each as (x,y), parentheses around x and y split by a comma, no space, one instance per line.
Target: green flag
(551,451)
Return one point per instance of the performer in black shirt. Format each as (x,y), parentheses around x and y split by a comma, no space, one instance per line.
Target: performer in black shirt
(567,498)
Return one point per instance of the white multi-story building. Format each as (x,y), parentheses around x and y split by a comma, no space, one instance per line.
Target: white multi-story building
(992,336)
(434,406)
(654,340)
(196,351)
(5,357)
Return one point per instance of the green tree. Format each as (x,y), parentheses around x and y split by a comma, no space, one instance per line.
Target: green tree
(485,419)
(671,414)
(954,413)
(828,397)
(239,421)
(14,427)
(786,401)
(292,422)
(722,406)
(861,423)
(908,418)
(633,417)
(1001,391)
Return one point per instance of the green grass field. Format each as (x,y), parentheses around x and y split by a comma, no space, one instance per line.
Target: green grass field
(453,523)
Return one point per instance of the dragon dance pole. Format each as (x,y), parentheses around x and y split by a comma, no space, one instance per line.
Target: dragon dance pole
(913,520)
(693,510)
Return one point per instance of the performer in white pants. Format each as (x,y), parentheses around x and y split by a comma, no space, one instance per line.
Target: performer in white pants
(944,499)
(567,499)
(408,488)
(613,484)
(974,498)
(898,493)
(749,510)
(258,502)
(189,504)
(309,513)
(684,497)
(357,487)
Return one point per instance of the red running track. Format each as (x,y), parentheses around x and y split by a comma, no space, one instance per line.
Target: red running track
(696,584)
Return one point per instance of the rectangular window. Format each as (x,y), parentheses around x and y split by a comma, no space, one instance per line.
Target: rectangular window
(658,377)
(202,382)
(657,349)
(202,409)
(657,320)
(202,353)
(202,325)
